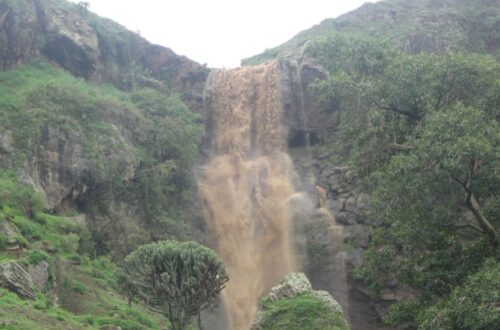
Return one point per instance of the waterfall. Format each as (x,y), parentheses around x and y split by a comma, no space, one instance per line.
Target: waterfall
(245,185)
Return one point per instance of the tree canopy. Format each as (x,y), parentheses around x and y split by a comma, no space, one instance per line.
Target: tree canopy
(180,279)
(422,133)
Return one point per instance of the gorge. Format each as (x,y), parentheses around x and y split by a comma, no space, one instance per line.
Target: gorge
(328,155)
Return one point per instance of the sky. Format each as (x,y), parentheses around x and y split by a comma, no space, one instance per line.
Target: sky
(220,33)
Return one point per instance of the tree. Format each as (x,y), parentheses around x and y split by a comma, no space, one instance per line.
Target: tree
(422,133)
(179,279)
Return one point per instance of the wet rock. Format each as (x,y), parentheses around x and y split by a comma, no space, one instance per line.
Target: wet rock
(16,279)
(354,258)
(345,218)
(321,197)
(357,235)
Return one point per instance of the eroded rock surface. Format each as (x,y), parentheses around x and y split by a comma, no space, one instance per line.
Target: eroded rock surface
(16,279)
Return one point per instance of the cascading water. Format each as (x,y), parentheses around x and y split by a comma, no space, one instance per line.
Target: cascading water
(246,184)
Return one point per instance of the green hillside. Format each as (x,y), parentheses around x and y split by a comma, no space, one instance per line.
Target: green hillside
(413,26)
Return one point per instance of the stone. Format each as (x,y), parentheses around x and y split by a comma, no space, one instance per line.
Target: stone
(110,327)
(350,203)
(363,201)
(71,41)
(334,205)
(9,232)
(354,258)
(357,235)
(6,141)
(326,297)
(293,285)
(40,274)
(14,278)
(345,218)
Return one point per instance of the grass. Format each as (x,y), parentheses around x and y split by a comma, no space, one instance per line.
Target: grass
(85,287)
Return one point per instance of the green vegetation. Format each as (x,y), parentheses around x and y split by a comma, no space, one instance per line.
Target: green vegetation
(85,288)
(180,279)
(149,133)
(302,312)
(422,134)
(412,26)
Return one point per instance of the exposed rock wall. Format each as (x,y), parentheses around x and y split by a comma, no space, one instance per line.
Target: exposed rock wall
(331,247)
(92,48)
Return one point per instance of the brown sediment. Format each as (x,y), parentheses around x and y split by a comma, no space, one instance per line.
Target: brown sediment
(245,186)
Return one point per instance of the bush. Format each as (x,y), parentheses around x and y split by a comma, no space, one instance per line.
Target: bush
(35,257)
(302,312)
(3,242)
(79,287)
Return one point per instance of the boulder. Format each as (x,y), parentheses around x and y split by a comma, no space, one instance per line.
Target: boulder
(293,285)
(326,297)
(16,279)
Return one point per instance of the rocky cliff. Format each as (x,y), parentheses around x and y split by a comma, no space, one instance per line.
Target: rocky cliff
(85,113)
(92,47)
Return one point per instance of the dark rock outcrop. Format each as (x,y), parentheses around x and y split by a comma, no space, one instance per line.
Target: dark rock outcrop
(307,118)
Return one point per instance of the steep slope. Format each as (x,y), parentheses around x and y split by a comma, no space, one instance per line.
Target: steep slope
(92,47)
(414,26)
(116,145)
(98,136)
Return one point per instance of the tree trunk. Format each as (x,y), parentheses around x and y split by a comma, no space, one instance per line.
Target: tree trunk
(490,231)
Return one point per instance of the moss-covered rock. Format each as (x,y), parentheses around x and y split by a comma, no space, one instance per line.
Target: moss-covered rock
(294,305)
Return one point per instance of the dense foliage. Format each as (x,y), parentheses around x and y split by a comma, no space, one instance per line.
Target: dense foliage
(422,133)
(180,279)
(412,26)
(138,149)
(84,287)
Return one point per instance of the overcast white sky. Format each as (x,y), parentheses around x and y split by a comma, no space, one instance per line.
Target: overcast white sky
(220,32)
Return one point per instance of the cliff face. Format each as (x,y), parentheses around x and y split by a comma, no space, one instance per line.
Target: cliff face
(92,48)
(87,146)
